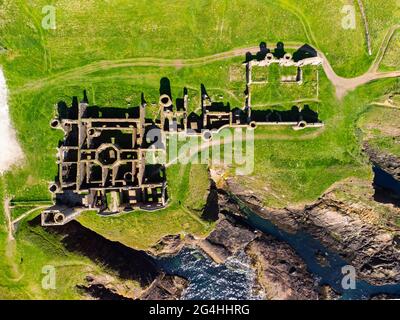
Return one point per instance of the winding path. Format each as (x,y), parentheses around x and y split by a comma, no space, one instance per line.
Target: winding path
(10,247)
(342,85)
(7,214)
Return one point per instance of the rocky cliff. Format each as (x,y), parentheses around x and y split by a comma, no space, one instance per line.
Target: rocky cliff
(342,227)
(388,162)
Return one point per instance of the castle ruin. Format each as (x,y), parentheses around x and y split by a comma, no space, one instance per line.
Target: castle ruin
(102,160)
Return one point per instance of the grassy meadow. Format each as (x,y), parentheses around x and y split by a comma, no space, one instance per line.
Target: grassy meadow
(118,49)
(391,61)
(380,128)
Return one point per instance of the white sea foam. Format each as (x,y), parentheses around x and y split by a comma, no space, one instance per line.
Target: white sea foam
(10,152)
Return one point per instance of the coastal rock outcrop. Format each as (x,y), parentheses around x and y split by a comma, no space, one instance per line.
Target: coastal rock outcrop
(388,162)
(281,273)
(341,227)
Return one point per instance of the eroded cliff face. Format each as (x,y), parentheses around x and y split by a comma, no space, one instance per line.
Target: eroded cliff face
(128,273)
(388,162)
(349,228)
(281,272)
(109,287)
(346,220)
(373,251)
(227,239)
(165,287)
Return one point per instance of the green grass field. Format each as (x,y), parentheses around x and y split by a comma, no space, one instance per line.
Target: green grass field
(380,128)
(391,59)
(275,92)
(100,46)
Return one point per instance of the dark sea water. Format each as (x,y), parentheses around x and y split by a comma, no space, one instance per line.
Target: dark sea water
(235,279)
(386,181)
(208,280)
